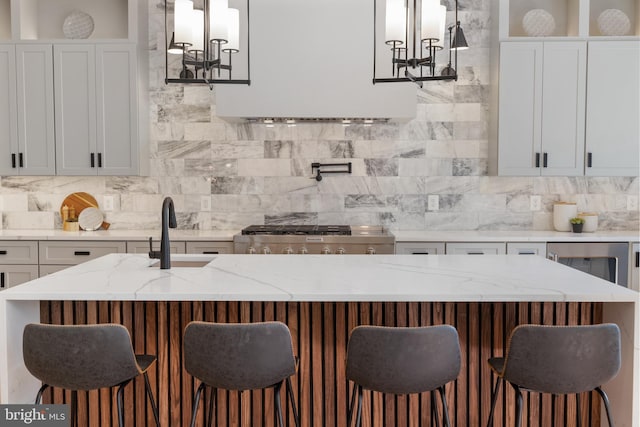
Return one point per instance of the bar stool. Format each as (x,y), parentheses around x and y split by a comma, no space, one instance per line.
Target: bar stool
(558,360)
(85,357)
(402,360)
(240,356)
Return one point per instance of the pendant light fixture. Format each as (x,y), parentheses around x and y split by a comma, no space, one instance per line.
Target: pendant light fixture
(414,34)
(211,42)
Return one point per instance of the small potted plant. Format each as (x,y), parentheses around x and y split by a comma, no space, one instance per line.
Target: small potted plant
(577,224)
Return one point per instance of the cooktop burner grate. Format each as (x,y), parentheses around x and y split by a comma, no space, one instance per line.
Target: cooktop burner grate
(323,230)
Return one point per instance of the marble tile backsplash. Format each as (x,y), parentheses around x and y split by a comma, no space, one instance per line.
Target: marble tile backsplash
(252,174)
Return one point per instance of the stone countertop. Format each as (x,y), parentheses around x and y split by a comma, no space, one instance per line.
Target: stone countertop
(454,278)
(401,235)
(515,236)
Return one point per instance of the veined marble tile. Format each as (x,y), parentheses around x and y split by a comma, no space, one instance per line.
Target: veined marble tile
(398,185)
(542,221)
(321,131)
(316,202)
(415,203)
(627,220)
(452,185)
(198,94)
(436,92)
(166,167)
(384,131)
(600,202)
(386,149)
(205,131)
(452,221)
(496,185)
(381,167)
(237,149)
(478,202)
(560,185)
(264,167)
(249,203)
(184,150)
(17,202)
(519,203)
(278,149)
(284,185)
(349,185)
(135,220)
(435,113)
(336,149)
(296,218)
(349,218)
(259,131)
(184,113)
(469,112)
(45,202)
(28,220)
(470,130)
(612,185)
(425,167)
(237,185)
(371,203)
(237,221)
(464,167)
(473,93)
(513,221)
(206,167)
(198,185)
(131,184)
(166,132)
(146,202)
(427,130)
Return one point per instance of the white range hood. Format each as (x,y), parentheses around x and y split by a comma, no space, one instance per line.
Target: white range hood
(313,59)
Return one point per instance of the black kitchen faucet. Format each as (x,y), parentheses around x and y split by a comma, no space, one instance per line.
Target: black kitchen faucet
(168,221)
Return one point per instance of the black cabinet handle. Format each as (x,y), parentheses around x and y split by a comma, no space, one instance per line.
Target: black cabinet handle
(537,160)
(475,253)
(589,160)
(544,160)
(637,259)
(93,160)
(2,280)
(13,160)
(210,252)
(3,252)
(21,160)
(99,160)
(84,253)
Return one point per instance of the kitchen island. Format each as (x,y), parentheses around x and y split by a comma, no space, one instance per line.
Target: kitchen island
(321,298)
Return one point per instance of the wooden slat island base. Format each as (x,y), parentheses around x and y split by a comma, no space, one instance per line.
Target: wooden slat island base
(322,299)
(320,332)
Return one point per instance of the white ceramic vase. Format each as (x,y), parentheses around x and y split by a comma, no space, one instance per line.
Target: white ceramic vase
(562,213)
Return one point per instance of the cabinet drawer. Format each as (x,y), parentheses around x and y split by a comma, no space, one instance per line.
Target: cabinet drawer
(12,275)
(22,252)
(209,247)
(473,248)
(527,248)
(142,247)
(71,253)
(48,269)
(420,248)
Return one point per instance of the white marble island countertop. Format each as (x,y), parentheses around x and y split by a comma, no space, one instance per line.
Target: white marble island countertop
(458,278)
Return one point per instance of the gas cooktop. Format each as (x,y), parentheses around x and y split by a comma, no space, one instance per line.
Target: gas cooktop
(305,230)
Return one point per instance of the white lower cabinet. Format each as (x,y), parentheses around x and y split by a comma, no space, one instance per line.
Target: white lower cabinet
(475,248)
(57,255)
(635,267)
(18,262)
(419,248)
(142,247)
(527,248)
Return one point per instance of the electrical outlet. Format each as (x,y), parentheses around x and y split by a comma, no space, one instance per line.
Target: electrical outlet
(205,203)
(535,203)
(632,203)
(107,203)
(433,202)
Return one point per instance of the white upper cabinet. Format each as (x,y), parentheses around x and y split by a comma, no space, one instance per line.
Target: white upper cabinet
(96,109)
(613,109)
(541,110)
(26,110)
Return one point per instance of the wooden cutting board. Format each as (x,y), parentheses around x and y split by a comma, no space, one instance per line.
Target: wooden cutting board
(80,201)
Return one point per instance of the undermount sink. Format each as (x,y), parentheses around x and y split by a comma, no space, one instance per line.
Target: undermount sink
(187,261)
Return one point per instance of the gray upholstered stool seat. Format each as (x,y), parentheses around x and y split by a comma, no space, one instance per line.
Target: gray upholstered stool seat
(401,360)
(240,356)
(85,357)
(558,360)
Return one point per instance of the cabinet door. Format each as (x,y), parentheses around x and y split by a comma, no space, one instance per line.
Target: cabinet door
(209,247)
(613,109)
(527,248)
(12,275)
(116,101)
(133,247)
(563,103)
(75,87)
(72,252)
(8,111)
(34,75)
(520,100)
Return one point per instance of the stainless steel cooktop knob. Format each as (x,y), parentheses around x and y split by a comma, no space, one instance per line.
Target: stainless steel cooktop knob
(341,251)
(251,250)
(326,250)
(371,251)
(303,251)
(288,251)
(266,250)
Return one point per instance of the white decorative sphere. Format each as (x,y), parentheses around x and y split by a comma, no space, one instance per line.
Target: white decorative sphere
(78,25)
(613,22)
(538,22)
